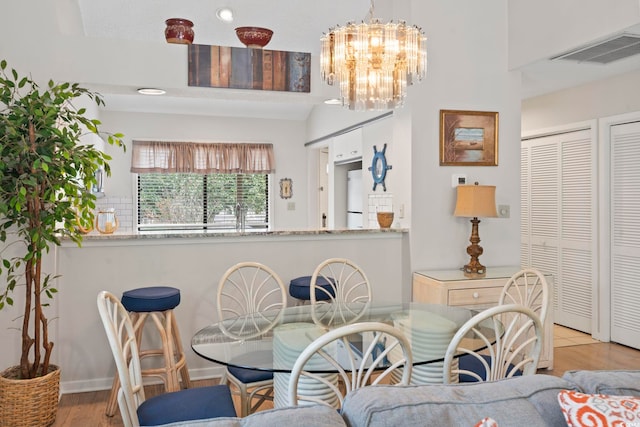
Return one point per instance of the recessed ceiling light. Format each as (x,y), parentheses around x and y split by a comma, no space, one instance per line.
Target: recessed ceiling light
(151,91)
(333,101)
(225,14)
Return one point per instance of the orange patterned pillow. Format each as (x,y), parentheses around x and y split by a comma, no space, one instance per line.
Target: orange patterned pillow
(487,422)
(599,410)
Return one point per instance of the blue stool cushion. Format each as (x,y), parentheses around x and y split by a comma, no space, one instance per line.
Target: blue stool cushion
(153,298)
(471,363)
(299,288)
(191,404)
(250,375)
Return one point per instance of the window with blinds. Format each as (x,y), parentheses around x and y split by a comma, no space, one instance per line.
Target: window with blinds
(202,186)
(189,201)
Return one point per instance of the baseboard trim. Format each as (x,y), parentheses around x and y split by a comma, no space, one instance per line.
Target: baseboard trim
(97,384)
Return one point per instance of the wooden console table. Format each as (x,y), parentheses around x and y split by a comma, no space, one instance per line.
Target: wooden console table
(452,287)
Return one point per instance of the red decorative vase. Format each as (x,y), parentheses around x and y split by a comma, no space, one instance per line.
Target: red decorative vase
(254,37)
(179,31)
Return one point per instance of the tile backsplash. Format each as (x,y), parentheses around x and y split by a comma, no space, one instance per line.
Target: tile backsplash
(379,203)
(123,207)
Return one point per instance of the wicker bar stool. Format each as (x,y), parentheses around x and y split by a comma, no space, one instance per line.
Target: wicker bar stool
(156,303)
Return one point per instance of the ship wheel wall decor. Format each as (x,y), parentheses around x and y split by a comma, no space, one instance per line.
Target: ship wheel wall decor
(379,167)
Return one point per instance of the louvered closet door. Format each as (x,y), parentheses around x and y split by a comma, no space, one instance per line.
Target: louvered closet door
(625,234)
(558,220)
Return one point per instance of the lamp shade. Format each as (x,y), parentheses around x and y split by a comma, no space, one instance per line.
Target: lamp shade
(476,201)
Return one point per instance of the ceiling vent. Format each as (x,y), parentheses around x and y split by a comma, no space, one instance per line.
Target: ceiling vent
(606,51)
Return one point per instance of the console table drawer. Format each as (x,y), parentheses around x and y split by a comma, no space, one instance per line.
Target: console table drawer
(477,296)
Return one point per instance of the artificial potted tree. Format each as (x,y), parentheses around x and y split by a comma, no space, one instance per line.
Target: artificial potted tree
(46,176)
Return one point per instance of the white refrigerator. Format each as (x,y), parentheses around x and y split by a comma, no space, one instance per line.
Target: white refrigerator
(354,199)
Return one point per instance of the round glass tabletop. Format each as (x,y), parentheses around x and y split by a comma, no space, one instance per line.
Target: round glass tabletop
(428,327)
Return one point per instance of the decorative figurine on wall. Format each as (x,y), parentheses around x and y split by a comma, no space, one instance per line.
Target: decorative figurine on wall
(379,167)
(286,188)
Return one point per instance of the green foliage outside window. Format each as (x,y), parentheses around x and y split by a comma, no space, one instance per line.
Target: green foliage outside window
(180,199)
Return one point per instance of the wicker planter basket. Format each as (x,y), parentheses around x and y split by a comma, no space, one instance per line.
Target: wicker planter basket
(28,403)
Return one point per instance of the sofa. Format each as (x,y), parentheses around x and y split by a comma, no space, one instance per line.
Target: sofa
(521,401)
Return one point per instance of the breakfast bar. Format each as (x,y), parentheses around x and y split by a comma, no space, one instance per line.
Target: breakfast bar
(194,263)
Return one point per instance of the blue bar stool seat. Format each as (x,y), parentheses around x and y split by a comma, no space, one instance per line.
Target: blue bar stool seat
(156,303)
(300,289)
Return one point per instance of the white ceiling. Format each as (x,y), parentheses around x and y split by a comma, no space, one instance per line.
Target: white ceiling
(546,76)
(297,26)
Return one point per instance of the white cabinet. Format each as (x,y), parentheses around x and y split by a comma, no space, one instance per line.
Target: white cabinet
(452,287)
(347,147)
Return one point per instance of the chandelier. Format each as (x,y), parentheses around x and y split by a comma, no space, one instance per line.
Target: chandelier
(373,62)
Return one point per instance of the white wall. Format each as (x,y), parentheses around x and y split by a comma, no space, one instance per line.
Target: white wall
(327,119)
(394,132)
(617,95)
(463,74)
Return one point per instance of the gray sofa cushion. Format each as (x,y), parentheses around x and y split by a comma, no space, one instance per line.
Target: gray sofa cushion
(622,383)
(524,401)
(308,416)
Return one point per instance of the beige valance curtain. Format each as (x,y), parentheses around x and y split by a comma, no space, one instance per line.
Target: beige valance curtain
(202,158)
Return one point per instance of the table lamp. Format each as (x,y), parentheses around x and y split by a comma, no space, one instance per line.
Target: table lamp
(475,201)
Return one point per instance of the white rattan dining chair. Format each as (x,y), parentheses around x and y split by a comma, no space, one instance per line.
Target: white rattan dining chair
(347,295)
(510,347)
(350,284)
(251,297)
(346,365)
(178,406)
(527,287)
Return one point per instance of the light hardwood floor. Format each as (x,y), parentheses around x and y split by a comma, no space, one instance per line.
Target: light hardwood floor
(572,350)
(565,337)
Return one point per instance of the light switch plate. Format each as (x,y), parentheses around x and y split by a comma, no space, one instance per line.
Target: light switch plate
(504,211)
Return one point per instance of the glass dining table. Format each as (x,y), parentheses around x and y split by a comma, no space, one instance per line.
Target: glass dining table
(272,340)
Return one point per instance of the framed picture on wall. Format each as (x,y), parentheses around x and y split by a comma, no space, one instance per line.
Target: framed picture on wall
(468,138)
(286,188)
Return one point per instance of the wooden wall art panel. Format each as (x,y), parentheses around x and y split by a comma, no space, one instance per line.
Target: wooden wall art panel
(248,68)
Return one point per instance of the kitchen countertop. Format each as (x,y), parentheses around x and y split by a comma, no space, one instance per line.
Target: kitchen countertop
(181,234)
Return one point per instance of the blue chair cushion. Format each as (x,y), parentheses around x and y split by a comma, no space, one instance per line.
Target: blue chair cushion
(191,404)
(471,363)
(299,288)
(153,298)
(248,376)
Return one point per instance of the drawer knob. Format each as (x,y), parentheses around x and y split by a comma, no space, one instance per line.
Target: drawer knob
(476,295)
